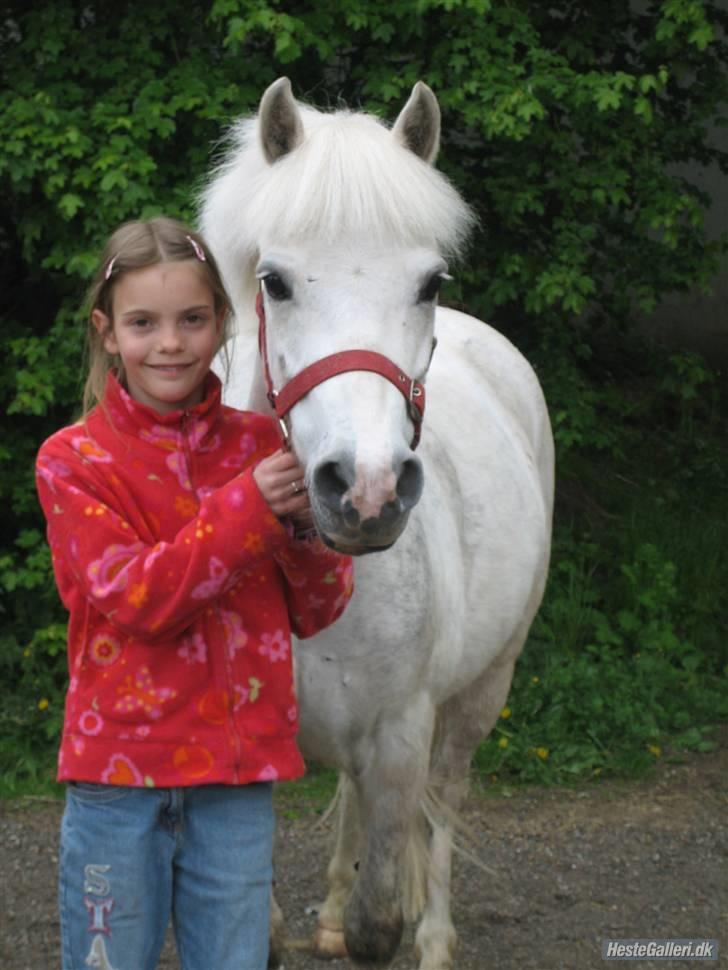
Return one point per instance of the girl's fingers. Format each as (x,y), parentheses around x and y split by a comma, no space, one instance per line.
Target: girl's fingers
(280,479)
(283,461)
(291,506)
(284,467)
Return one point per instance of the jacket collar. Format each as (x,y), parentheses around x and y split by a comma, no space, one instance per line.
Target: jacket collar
(132,417)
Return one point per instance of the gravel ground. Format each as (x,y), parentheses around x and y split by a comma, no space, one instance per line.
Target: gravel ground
(570,868)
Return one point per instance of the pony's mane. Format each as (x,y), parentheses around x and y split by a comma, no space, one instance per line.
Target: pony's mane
(349,180)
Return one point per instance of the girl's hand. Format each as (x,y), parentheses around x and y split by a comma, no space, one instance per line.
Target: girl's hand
(280,480)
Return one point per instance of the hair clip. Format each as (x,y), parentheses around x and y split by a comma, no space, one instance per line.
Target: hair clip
(110,267)
(199,251)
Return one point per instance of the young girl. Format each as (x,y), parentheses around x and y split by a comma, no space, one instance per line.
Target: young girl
(170,526)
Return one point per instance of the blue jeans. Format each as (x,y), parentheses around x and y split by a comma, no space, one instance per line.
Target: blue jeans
(132,857)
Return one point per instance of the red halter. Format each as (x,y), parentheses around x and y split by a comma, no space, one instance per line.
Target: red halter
(282,401)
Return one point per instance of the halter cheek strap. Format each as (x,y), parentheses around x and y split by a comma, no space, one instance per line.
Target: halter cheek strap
(284,399)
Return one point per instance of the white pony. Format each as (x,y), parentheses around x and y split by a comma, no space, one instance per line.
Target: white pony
(346,227)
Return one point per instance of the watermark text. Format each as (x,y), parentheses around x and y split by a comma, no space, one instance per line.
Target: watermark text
(660,949)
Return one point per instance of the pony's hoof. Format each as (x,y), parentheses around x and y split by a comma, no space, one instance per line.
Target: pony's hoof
(275,952)
(328,943)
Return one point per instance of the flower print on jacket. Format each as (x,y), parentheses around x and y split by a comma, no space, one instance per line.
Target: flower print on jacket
(235,635)
(197,435)
(251,693)
(214,584)
(344,573)
(187,506)
(167,687)
(140,693)
(176,442)
(295,572)
(193,649)
(248,448)
(151,558)
(168,439)
(176,463)
(108,574)
(51,468)
(104,650)
(88,449)
(275,646)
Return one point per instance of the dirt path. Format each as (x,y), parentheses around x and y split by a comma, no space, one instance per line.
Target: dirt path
(570,868)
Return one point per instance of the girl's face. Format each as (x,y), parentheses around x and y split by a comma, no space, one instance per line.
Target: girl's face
(166,332)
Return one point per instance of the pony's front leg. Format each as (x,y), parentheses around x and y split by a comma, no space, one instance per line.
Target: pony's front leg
(329,940)
(436,938)
(390,787)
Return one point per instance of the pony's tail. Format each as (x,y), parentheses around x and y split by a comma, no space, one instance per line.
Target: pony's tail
(433,813)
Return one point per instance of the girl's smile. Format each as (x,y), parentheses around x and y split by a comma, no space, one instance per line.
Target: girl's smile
(166,332)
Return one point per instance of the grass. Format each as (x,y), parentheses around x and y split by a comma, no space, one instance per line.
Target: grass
(308,795)
(27,774)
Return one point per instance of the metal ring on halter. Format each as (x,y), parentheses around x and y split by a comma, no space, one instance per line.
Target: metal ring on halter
(285,434)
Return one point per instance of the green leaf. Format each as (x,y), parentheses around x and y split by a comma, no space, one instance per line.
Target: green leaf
(69,204)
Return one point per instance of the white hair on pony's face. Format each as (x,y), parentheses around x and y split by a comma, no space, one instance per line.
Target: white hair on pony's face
(350,181)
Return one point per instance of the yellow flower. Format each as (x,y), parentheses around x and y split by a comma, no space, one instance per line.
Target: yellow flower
(535,680)
(254,542)
(138,594)
(186,506)
(43,704)
(655,750)
(503,743)
(505,713)
(542,753)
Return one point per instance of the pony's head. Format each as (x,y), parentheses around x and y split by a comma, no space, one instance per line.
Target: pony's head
(346,227)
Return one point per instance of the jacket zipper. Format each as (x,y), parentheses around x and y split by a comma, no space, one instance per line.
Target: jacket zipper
(229,686)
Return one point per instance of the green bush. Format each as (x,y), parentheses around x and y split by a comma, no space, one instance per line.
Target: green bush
(628,657)
(606,677)
(562,125)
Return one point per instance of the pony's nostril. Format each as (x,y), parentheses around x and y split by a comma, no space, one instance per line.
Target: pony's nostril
(351,516)
(359,497)
(410,482)
(388,515)
(330,482)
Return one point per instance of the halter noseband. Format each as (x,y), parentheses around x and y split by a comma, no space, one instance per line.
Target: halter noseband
(291,393)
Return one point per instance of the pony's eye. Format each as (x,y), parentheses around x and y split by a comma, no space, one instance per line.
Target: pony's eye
(431,288)
(275,287)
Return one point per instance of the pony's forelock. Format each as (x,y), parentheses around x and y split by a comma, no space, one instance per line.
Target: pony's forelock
(349,181)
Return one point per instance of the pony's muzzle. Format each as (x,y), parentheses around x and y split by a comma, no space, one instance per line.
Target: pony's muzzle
(360,509)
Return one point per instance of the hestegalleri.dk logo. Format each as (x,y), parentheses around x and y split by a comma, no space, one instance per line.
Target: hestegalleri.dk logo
(660,949)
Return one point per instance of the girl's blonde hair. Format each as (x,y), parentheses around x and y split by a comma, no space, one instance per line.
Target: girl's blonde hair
(136,245)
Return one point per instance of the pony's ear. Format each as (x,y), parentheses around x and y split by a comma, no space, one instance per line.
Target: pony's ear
(418,125)
(281,128)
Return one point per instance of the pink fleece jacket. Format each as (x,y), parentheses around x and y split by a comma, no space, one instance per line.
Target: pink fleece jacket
(182,589)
